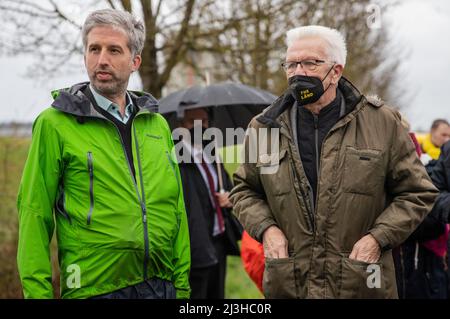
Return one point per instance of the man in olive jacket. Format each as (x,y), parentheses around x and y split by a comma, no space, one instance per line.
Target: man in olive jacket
(337,184)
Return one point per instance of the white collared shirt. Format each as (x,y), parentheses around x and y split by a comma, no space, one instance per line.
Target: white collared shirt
(112,108)
(197,156)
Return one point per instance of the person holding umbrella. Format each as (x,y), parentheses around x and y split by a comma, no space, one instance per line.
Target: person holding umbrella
(207,206)
(214,231)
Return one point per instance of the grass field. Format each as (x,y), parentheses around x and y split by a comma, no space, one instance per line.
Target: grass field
(13,152)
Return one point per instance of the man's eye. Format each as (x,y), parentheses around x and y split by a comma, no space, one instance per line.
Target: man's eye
(308,63)
(93,49)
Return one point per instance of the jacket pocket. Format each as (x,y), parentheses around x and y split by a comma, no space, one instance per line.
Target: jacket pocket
(361,280)
(90,164)
(366,171)
(275,172)
(279,278)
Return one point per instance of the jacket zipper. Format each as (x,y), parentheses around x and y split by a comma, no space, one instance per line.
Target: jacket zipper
(316,142)
(91,186)
(309,210)
(312,211)
(316,139)
(310,214)
(141,200)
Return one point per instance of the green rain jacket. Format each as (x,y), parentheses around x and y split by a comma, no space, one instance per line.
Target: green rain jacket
(113,230)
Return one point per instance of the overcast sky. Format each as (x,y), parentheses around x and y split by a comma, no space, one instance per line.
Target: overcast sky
(422,26)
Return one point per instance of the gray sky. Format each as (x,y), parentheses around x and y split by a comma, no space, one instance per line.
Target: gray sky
(421,26)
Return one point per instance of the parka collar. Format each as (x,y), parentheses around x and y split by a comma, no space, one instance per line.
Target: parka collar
(271,114)
(73,101)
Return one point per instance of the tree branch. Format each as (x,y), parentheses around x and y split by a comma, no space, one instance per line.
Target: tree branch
(126,5)
(175,52)
(63,16)
(111,4)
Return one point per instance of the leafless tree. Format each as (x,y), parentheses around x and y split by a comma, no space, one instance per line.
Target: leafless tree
(245,38)
(49,29)
(252,49)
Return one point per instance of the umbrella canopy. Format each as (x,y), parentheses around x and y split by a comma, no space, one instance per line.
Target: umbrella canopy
(232,105)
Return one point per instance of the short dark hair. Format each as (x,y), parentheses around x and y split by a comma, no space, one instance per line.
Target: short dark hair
(133,27)
(438,122)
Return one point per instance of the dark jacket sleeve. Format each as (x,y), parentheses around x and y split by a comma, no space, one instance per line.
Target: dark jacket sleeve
(441,179)
(431,228)
(234,228)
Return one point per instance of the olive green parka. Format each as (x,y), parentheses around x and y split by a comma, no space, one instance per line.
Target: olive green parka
(370,181)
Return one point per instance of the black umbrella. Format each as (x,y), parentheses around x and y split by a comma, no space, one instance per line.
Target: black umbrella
(231,105)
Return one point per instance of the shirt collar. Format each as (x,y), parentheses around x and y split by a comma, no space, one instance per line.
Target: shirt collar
(110,106)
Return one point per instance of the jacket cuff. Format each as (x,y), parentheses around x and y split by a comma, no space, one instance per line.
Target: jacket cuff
(382,238)
(262,228)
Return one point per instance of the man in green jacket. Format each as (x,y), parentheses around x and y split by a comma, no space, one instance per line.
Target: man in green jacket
(336,186)
(101,159)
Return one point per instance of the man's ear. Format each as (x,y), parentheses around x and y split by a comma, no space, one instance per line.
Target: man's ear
(137,60)
(337,74)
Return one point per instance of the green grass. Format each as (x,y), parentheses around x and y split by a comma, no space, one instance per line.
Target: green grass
(13,153)
(231,156)
(238,284)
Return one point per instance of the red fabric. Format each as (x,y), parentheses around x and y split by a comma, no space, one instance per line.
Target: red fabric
(416,144)
(216,201)
(438,246)
(252,255)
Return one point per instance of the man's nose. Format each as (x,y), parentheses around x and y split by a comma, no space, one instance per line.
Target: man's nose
(103,57)
(299,70)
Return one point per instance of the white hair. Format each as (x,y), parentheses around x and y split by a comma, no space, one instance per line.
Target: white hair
(337,48)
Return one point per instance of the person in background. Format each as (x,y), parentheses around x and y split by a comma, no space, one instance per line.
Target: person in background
(431,143)
(440,176)
(208,211)
(420,261)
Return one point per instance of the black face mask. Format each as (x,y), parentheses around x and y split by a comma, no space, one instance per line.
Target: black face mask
(307,89)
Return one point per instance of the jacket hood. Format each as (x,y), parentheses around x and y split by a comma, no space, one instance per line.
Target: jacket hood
(72,100)
(270,115)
